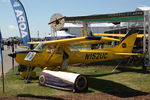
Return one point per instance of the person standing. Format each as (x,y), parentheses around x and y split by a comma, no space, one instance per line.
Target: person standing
(8,44)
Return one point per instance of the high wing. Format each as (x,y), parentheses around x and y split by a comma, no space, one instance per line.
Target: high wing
(79,40)
(119,35)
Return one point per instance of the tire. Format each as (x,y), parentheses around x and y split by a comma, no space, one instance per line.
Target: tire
(81,84)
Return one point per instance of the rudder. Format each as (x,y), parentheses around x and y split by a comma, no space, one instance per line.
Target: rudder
(127,43)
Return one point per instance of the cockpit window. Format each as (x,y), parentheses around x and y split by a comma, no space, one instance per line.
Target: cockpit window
(40,46)
(51,48)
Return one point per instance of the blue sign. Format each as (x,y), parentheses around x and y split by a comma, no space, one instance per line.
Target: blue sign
(22,21)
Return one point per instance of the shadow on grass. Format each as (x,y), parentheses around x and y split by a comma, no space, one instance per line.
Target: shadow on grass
(31,78)
(130,69)
(113,88)
(38,97)
(100,75)
(121,70)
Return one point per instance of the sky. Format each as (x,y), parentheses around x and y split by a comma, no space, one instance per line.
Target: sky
(39,12)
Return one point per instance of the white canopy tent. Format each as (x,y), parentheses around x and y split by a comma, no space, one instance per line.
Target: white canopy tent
(75,28)
(66,25)
(144,8)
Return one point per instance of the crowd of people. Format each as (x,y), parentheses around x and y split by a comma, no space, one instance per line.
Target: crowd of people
(12,43)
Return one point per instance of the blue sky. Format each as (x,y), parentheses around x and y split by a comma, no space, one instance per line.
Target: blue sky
(39,12)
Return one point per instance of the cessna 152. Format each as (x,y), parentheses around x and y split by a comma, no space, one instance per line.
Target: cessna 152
(58,52)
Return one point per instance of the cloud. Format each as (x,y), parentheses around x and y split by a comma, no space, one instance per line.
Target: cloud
(13,27)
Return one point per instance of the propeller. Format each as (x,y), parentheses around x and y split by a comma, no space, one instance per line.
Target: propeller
(57,21)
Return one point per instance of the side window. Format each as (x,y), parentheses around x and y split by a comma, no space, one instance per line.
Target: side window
(51,48)
(77,47)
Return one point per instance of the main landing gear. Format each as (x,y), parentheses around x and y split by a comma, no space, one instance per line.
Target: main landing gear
(26,73)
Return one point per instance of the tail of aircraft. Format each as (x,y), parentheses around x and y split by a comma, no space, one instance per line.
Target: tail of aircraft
(127,43)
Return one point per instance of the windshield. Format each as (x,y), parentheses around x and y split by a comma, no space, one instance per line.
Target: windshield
(40,46)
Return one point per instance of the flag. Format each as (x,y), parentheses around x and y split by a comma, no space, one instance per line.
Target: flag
(22,21)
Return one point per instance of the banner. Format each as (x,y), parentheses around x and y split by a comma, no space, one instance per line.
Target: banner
(22,21)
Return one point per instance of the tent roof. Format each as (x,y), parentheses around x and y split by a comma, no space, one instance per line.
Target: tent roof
(115,17)
(144,8)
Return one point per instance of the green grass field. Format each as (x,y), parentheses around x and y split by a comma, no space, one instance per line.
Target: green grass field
(125,79)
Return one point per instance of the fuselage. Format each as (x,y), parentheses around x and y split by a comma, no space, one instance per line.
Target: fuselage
(54,55)
(48,59)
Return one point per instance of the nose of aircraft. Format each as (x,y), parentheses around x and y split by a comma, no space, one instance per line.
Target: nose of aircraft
(13,55)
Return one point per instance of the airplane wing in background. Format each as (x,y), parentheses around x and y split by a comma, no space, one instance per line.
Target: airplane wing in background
(118,35)
(79,40)
(128,54)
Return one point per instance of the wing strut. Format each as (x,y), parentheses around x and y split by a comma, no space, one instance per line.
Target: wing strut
(58,45)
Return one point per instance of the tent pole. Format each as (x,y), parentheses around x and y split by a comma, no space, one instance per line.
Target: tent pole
(149,35)
(144,38)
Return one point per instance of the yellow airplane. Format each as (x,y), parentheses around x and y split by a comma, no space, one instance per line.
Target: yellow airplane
(51,54)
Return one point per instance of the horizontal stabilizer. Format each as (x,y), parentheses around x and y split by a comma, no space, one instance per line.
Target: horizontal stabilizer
(128,54)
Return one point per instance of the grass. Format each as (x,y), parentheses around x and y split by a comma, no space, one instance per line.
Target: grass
(126,79)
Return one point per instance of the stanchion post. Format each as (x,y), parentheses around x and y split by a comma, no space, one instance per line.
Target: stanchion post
(1,59)
(12,45)
(2,70)
(149,35)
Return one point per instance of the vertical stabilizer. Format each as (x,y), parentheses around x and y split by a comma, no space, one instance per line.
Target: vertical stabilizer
(127,43)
